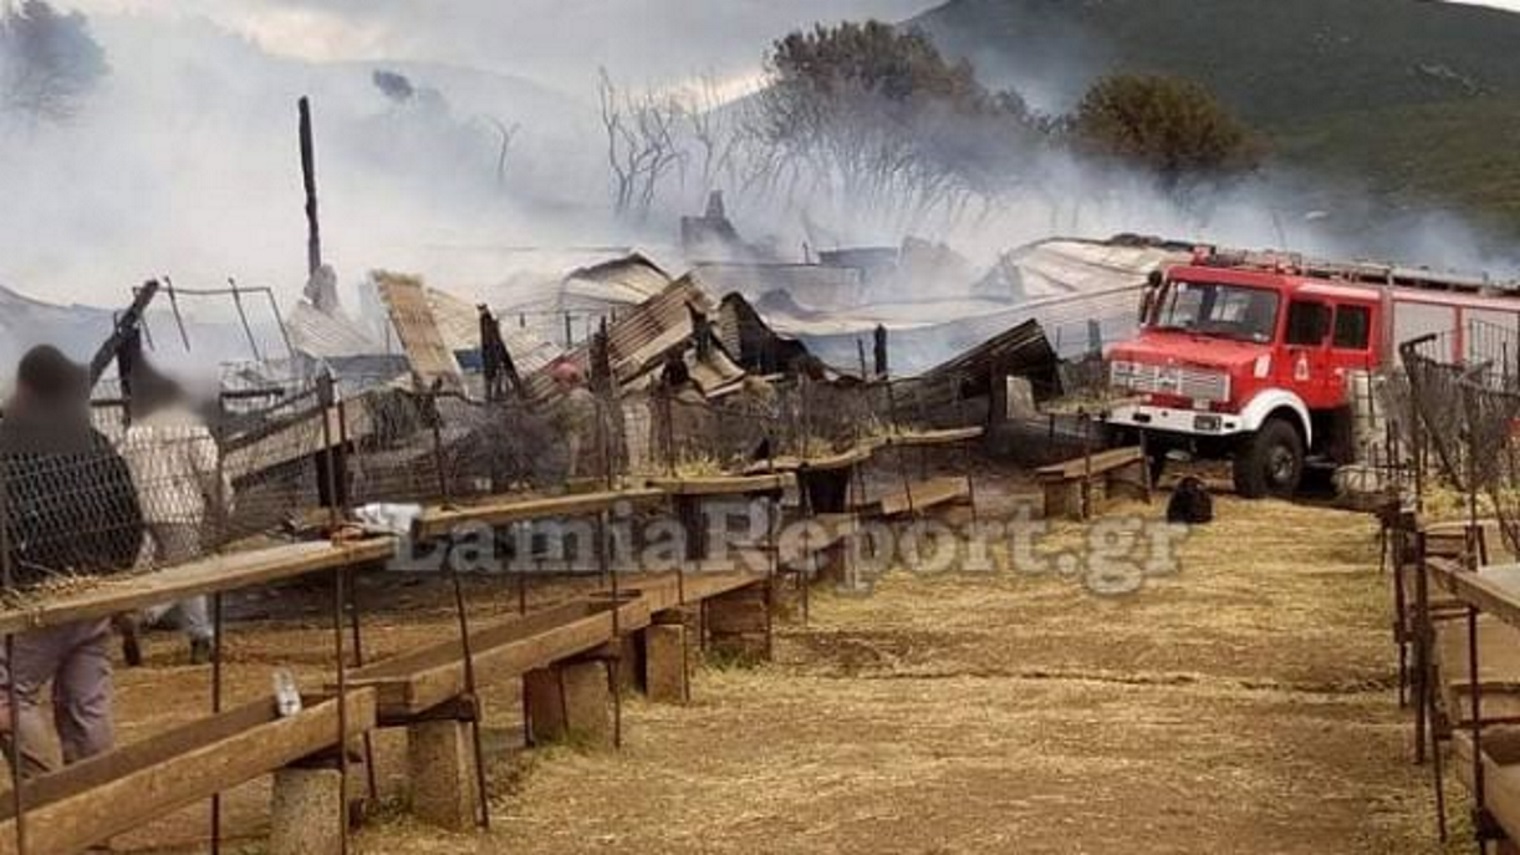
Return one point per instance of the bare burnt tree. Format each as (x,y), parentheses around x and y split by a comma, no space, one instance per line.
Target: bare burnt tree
(878,117)
(643,143)
(505,134)
(48,61)
(716,130)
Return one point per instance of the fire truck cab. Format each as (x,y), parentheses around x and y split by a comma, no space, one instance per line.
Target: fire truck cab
(1247,359)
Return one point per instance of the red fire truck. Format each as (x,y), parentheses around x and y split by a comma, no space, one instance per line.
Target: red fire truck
(1246,356)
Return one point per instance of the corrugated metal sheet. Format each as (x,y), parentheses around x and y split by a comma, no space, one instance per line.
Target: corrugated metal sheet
(323,336)
(641,336)
(459,323)
(417,328)
(626,281)
(1052,268)
(812,286)
(1023,351)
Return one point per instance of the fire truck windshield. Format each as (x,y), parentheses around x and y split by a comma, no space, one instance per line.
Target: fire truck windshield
(1227,311)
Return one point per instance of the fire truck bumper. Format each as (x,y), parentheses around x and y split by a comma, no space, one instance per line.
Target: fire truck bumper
(1182,421)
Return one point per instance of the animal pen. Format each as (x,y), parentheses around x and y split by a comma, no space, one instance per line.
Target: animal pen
(308,483)
(1457,603)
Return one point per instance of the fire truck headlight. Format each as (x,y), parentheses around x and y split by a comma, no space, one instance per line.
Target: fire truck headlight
(1263,366)
(1207,424)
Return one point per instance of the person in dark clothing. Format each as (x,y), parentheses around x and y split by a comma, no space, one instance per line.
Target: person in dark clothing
(70,509)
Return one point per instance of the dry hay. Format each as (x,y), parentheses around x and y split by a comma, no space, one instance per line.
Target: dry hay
(1243,704)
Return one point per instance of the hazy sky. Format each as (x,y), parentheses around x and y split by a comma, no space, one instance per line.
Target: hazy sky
(559,42)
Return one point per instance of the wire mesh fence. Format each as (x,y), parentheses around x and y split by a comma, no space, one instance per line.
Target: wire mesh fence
(1467,400)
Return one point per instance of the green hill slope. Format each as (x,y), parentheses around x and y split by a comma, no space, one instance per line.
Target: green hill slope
(1419,100)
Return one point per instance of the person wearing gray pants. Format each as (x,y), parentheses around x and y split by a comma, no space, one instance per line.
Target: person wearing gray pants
(69,509)
(77,658)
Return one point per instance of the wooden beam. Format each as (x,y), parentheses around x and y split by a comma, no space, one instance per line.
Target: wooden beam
(1103,461)
(789,463)
(949,436)
(1491,590)
(438,522)
(88,803)
(723,485)
(418,681)
(926,495)
(205,576)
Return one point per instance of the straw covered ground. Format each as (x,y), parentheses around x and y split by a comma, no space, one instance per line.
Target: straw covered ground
(1242,703)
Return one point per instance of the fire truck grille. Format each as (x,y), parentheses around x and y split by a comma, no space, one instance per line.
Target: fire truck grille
(1196,383)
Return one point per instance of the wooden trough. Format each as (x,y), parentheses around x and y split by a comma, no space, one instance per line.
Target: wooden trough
(204,576)
(1074,489)
(723,485)
(440,522)
(413,683)
(928,438)
(87,803)
(1501,774)
(920,497)
(1487,749)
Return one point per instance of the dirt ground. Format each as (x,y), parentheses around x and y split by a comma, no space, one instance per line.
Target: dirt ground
(1243,703)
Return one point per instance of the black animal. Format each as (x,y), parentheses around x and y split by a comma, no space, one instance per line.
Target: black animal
(1191,503)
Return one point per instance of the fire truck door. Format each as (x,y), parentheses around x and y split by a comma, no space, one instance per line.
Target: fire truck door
(1307,367)
(1351,340)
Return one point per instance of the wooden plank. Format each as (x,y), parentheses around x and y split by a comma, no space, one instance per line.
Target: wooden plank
(662,592)
(948,436)
(836,529)
(208,575)
(1102,461)
(437,522)
(1501,774)
(88,803)
(423,679)
(825,463)
(925,495)
(722,485)
(1492,590)
(1498,668)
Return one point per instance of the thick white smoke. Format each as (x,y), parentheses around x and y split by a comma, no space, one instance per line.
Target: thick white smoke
(185,162)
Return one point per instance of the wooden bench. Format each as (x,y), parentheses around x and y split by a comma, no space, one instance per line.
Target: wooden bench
(91,801)
(1076,488)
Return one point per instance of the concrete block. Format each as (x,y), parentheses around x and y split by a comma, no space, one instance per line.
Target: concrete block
(441,771)
(665,663)
(569,701)
(738,622)
(306,812)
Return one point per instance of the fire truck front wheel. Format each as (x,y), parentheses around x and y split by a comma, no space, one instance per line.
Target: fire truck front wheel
(1270,462)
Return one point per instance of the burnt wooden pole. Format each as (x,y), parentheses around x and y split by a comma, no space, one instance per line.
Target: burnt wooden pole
(309,178)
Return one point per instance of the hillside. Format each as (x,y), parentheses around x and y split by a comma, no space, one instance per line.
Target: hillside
(1418,100)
